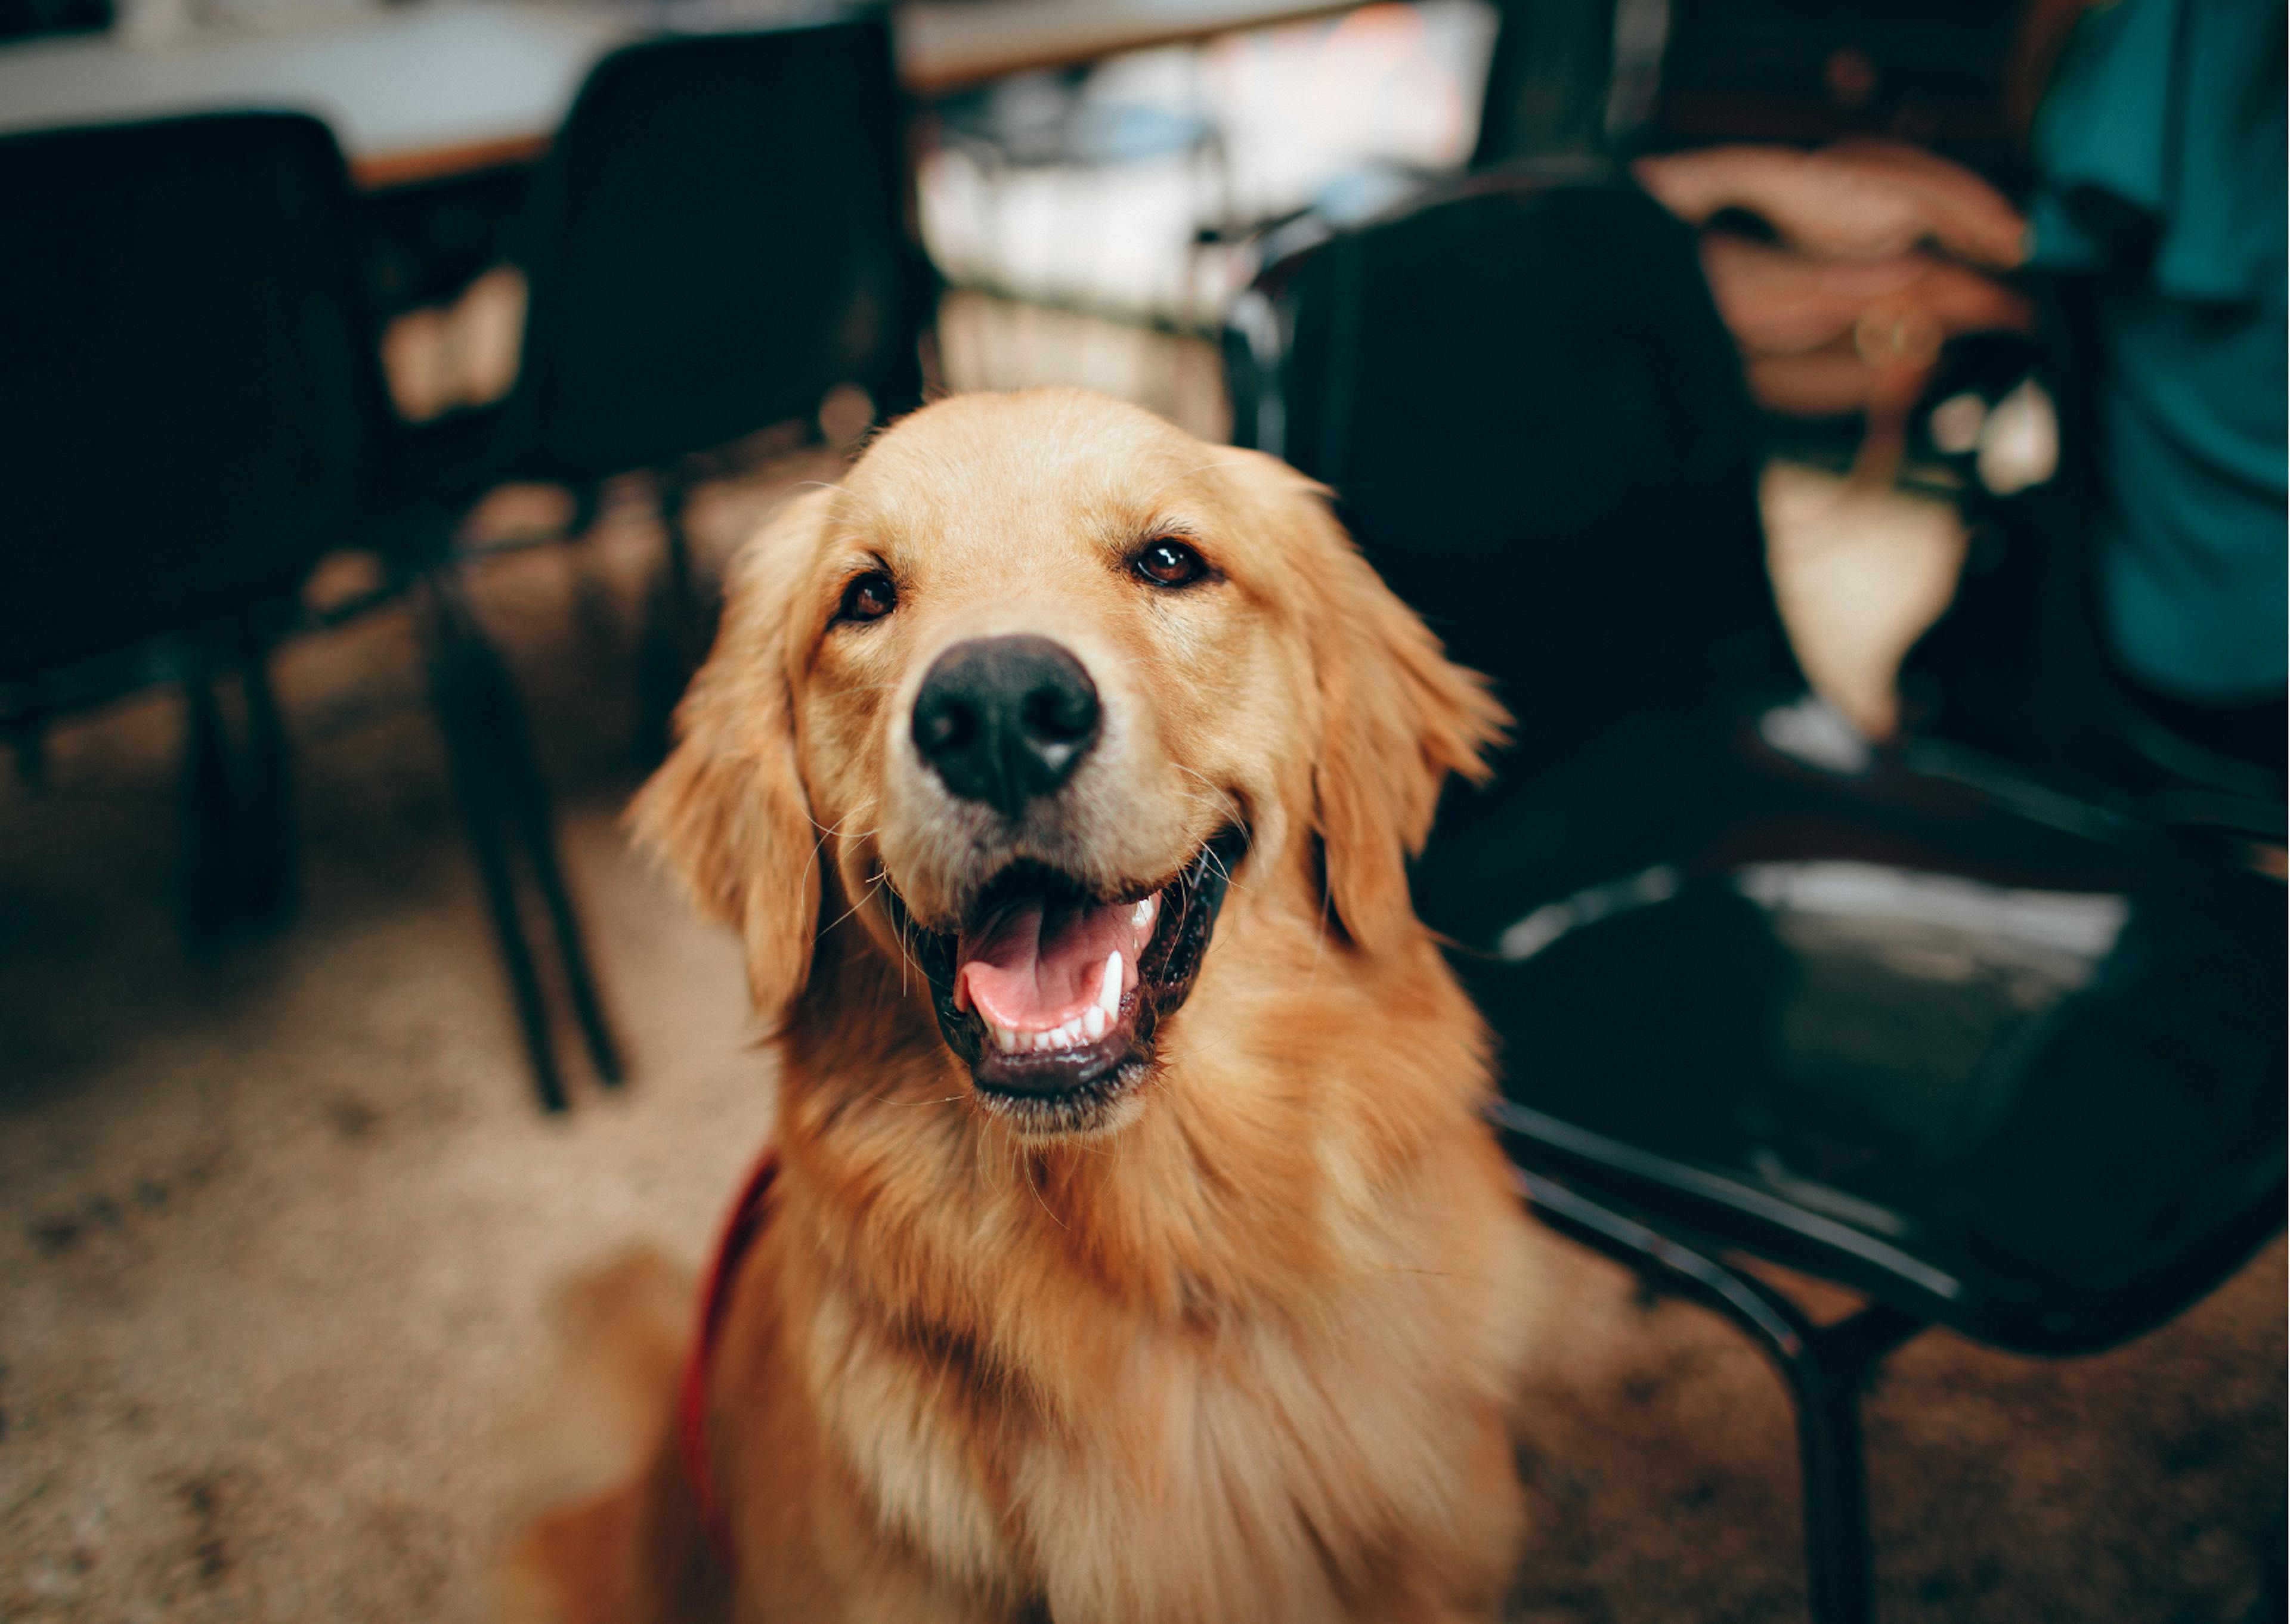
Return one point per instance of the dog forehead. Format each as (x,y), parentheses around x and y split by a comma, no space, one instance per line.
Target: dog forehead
(987,480)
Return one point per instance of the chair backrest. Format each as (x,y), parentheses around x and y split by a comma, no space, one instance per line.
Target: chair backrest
(1536,428)
(190,388)
(717,238)
(1548,81)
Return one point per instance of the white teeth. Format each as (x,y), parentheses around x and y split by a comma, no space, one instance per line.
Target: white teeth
(1085,1027)
(1093,1023)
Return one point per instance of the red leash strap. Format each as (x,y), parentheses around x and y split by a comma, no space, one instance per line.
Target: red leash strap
(740,1231)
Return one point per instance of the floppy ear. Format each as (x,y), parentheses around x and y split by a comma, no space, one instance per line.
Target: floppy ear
(727,814)
(1396,717)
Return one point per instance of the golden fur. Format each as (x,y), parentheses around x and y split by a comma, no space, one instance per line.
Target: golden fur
(1247,1352)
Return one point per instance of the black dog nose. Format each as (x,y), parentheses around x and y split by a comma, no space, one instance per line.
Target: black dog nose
(1006,719)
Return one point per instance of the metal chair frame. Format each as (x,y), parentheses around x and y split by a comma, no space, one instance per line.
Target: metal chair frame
(239,821)
(1677,1222)
(1824,1368)
(582,410)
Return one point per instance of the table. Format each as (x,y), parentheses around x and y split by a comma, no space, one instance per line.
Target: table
(440,88)
(946,44)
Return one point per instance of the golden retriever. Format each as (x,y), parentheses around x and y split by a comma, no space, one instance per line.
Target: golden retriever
(1137,1251)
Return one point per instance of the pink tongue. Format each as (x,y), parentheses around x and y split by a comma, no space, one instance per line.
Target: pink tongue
(1033,967)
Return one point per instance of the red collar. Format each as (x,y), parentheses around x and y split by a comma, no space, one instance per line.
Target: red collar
(741,1229)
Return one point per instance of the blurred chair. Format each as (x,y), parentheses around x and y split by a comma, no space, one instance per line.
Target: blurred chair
(30,18)
(192,414)
(718,238)
(1547,79)
(1995,1058)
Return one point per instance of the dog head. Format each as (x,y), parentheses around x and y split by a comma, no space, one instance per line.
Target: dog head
(1024,700)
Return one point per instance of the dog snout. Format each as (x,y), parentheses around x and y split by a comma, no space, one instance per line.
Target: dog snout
(1003,721)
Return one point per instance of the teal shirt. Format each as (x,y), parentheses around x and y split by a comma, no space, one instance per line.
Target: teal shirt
(2160,152)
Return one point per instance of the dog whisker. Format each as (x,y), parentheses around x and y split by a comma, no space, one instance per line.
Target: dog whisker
(826,831)
(1224,870)
(1224,796)
(1234,815)
(860,811)
(872,891)
(1035,1189)
(906,945)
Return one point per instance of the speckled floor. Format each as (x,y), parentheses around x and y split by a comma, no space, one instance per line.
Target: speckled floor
(277,1221)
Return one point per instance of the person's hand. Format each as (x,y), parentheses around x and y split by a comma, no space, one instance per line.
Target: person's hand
(1882,255)
(1820,336)
(1857,200)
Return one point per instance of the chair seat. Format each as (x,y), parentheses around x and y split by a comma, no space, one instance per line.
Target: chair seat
(1998,1058)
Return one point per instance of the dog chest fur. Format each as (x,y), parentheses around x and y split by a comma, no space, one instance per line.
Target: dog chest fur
(1033,1432)
(1249,1470)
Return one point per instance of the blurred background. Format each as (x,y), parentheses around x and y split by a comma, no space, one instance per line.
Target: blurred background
(1850,433)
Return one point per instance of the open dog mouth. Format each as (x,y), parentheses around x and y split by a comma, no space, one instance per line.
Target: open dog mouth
(1052,994)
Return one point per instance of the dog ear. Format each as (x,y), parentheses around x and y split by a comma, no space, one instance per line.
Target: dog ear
(727,814)
(1396,717)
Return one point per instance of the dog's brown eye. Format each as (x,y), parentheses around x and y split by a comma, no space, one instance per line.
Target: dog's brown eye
(1170,564)
(871,598)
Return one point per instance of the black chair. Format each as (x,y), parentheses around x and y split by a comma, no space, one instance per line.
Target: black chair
(1548,79)
(193,413)
(29,19)
(1996,1058)
(718,238)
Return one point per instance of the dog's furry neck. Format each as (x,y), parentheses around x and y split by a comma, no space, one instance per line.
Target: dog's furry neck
(1268,1134)
(1268,1304)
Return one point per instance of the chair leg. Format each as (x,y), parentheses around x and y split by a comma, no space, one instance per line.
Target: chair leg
(525,793)
(1824,1367)
(209,820)
(457,687)
(1826,1374)
(30,736)
(678,626)
(695,609)
(270,849)
(596,611)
